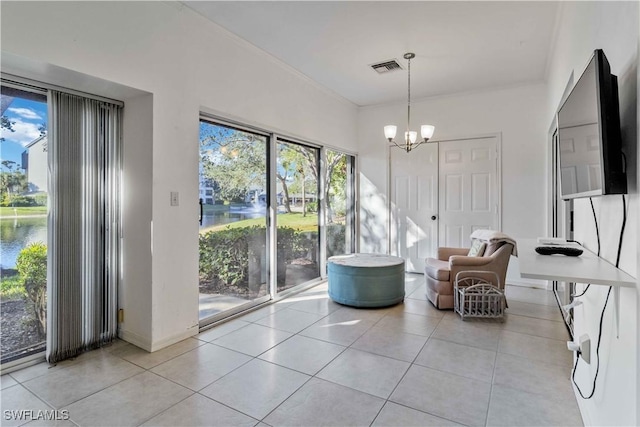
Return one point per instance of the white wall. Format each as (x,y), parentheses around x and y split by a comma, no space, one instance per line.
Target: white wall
(613,27)
(188,65)
(136,221)
(518,114)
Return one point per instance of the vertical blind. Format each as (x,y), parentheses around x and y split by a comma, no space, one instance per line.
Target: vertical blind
(83,224)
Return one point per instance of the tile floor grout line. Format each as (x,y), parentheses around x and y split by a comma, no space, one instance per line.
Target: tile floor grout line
(493,376)
(533,317)
(95,392)
(537,336)
(287,398)
(424,412)
(226,405)
(411,364)
(169,359)
(166,409)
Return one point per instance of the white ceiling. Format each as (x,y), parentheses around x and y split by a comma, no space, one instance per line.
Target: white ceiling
(459,46)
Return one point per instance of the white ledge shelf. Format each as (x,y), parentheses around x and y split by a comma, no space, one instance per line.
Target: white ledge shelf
(586,268)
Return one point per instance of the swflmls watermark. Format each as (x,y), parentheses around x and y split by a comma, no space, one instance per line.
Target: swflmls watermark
(34,415)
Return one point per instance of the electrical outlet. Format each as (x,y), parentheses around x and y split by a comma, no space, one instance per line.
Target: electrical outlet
(585,348)
(175,198)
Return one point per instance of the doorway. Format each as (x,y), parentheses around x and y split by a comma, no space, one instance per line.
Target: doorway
(442,192)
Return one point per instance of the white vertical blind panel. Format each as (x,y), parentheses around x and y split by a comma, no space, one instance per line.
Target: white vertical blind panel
(84,218)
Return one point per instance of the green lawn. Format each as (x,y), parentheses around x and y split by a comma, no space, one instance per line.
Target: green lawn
(293,220)
(31,210)
(11,288)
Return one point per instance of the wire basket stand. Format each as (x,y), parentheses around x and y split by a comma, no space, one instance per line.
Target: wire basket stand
(477,296)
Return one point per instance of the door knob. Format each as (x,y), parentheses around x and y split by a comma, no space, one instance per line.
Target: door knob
(433,217)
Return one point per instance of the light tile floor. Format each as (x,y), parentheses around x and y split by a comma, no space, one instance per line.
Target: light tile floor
(309,361)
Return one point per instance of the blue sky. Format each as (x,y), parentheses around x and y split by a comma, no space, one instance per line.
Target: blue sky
(27,117)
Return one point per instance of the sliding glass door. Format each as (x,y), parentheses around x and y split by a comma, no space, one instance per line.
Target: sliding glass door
(266,203)
(340,203)
(233,203)
(298,232)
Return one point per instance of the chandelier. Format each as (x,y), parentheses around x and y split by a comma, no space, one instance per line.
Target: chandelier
(410,137)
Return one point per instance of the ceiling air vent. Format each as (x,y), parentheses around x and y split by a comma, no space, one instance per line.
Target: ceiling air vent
(386,66)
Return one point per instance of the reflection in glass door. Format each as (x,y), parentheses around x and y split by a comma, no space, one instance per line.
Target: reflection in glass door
(298,236)
(233,220)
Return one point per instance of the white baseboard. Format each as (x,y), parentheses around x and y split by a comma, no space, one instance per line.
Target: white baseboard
(135,339)
(147,345)
(165,342)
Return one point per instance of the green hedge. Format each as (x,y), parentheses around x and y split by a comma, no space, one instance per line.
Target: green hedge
(16,200)
(227,255)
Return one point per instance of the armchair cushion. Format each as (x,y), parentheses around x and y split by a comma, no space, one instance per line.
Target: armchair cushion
(477,248)
(438,269)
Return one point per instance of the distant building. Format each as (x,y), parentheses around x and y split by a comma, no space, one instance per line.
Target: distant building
(206,191)
(207,194)
(34,163)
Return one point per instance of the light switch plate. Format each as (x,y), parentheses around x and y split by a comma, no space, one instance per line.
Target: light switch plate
(175,198)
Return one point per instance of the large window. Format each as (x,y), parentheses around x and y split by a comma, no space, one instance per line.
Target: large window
(262,198)
(23,223)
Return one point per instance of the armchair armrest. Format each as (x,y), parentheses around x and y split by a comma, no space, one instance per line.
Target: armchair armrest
(445,253)
(469,261)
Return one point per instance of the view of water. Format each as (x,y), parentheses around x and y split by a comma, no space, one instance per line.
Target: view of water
(16,233)
(234,214)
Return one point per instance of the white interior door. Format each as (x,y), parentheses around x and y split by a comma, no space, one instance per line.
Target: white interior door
(414,205)
(468,189)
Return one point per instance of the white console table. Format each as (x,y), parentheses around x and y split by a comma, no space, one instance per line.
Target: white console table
(586,268)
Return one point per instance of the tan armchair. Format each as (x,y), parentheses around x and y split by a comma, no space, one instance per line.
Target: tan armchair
(440,273)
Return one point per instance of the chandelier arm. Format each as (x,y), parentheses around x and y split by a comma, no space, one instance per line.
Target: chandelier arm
(393,141)
(417,144)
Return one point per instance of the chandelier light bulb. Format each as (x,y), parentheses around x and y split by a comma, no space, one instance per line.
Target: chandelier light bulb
(390,132)
(426,131)
(411,137)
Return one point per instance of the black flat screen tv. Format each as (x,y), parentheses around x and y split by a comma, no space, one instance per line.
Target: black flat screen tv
(589,139)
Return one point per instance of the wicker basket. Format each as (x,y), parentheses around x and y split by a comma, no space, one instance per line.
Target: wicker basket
(476,296)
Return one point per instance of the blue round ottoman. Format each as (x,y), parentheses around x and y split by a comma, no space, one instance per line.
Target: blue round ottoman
(366,280)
